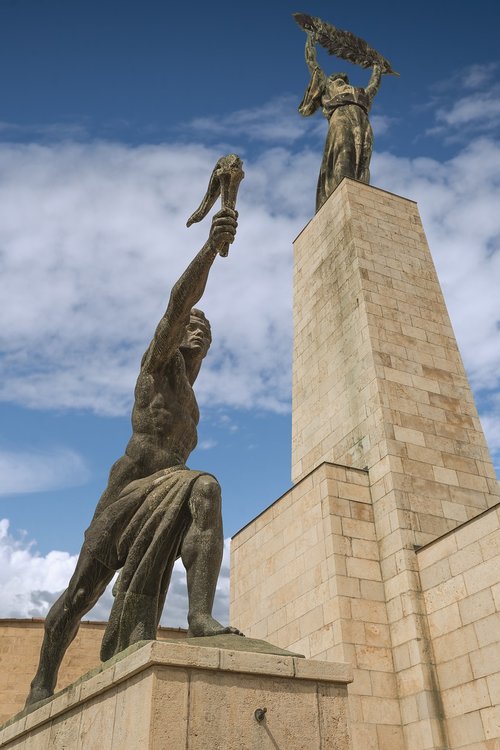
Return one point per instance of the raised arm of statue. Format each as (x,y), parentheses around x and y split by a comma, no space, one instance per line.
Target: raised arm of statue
(224,181)
(187,291)
(310,52)
(314,91)
(374,82)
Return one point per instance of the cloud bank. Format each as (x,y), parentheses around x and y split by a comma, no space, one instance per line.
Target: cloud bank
(474,111)
(92,238)
(24,472)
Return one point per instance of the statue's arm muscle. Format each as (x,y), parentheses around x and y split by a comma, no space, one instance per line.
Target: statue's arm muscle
(187,291)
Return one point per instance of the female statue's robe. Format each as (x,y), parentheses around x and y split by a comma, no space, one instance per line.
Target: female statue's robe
(349,141)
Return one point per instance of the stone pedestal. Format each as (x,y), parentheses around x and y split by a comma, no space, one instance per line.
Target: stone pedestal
(186,697)
(21,641)
(388,455)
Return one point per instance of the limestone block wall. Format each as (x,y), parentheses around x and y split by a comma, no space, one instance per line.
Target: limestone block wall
(20,642)
(379,385)
(279,570)
(460,576)
(306,573)
(187,697)
(378,381)
(334,394)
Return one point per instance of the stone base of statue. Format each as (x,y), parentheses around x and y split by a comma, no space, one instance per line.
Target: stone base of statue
(191,697)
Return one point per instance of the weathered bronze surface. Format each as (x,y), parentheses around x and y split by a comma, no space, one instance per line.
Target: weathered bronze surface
(154,508)
(344,44)
(349,141)
(224,181)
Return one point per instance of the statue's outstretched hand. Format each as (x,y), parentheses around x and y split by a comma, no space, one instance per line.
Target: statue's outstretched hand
(223,229)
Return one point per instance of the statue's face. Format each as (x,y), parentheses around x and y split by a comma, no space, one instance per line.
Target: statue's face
(198,337)
(339,79)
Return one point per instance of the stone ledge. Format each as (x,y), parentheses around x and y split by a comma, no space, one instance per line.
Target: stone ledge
(324,465)
(244,658)
(179,663)
(346,181)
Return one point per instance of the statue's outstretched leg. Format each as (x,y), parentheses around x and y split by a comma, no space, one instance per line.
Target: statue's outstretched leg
(201,553)
(61,624)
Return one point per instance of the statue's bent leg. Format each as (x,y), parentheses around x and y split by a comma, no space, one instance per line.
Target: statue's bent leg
(61,624)
(201,553)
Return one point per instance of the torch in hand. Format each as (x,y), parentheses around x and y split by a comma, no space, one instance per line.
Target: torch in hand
(224,181)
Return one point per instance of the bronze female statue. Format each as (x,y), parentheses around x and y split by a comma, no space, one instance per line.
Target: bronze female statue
(349,141)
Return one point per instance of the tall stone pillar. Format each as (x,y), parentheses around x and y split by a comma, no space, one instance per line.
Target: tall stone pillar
(379,388)
(378,381)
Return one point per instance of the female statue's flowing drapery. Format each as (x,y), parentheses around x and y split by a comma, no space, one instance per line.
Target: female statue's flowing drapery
(349,141)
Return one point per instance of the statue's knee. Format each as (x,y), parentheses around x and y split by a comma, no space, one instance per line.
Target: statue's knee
(206,500)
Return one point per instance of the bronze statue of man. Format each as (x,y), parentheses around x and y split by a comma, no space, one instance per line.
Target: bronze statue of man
(349,141)
(154,509)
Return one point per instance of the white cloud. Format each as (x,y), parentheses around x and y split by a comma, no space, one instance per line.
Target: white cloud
(276,121)
(30,583)
(381,124)
(480,109)
(478,74)
(39,471)
(28,579)
(467,104)
(92,238)
(472,76)
(206,445)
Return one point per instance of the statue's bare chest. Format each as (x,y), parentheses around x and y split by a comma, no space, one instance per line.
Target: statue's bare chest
(174,393)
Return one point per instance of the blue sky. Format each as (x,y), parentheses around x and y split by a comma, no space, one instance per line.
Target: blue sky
(112,117)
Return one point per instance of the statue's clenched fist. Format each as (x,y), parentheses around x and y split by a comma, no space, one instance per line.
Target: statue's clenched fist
(223,229)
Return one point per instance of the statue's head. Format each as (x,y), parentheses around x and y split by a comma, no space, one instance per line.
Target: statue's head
(339,78)
(197,338)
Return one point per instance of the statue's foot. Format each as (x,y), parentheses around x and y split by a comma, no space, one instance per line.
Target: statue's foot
(203,625)
(38,693)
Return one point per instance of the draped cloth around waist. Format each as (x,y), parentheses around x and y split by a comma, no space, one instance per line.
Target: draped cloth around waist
(141,532)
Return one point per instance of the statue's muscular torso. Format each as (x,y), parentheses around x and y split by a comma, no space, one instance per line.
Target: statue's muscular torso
(164,421)
(165,413)
(164,417)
